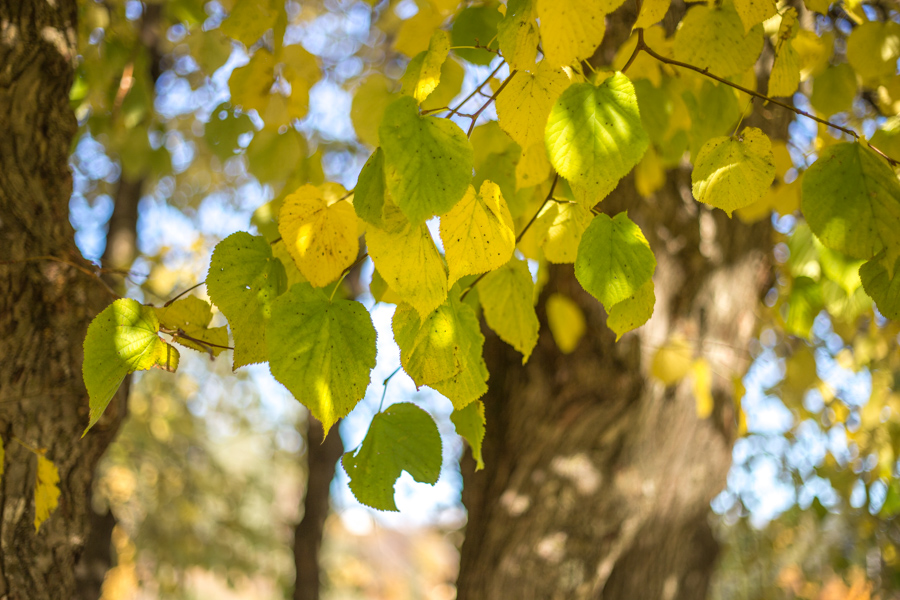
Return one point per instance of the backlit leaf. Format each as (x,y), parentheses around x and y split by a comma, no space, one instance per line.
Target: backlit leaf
(559,229)
(429,350)
(506,296)
(714,39)
(632,312)
(423,74)
(571,30)
(368,195)
(517,34)
(470,383)
(883,287)
(524,105)
(469,423)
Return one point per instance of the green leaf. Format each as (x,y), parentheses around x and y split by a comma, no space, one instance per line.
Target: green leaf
(430,351)
(244,279)
(851,200)
(614,259)
(470,383)
(273,157)
(321,351)
(192,316)
(427,161)
(833,90)
(476,25)
(469,423)
(873,49)
(883,287)
(507,299)
(734,172)
(805,302)
(402,438)
(223,130)
(517,34)
(122,339)
(368,195)
(594,135)
(634,311)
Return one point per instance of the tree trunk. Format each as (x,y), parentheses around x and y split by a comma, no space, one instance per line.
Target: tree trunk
(45,306)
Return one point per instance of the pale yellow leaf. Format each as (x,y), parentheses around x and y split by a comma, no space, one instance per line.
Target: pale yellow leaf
(672,362)
(652,12)
(478,232)
(533,167)
(566,321)
(320,232)
(560,227)
(702,380)
(571,30)
(525,103)
(785,77)
(423,74)
(714,39)
(517,34)
(46,490)
(416,31)
(753,12)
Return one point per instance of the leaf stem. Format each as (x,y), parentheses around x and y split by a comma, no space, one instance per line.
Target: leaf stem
(385,383)
(193,287)
(344,273)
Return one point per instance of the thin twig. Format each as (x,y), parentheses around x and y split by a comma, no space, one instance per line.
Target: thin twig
(453,111)
(193,287)
(488,103)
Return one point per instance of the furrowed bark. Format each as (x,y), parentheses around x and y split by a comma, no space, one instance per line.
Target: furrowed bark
(45,305)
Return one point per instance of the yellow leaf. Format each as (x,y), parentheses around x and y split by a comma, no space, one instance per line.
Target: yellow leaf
(478,232)
(649,174)
(517,34)
(560,227)
(652,12)
(753,12)
(533,167)
(416,31)
(251,83)
(319,231)
(815,52)
(566,322)
(714,39)
(702,376)
(369,103)
(46,490)
(408,260)
(632,312)
(571,30)
(524,105)
(672,362)
(423,74)
(873,49)
(506,295)
(298,64)
(785,77)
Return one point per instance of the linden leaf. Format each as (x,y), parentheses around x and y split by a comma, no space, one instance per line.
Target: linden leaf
(319,230)
(702,380)
(672,362)
(410,263)
(753,12)
(652,12)
(594,134)
(402,438)
(122,339)
(571,30)
(476,25)
(478,233)
(785,76)
(368,195)
(250,84)
(883,287)
(566,322)
(731,173)
(524,105)
(322,351)
(634,311)
(517,35)
(249,20)
(429,350)
(834,90)
(423,74)
(415,32)
(506,296)
(714,39)
(243,280)
(46,490)
(873,49)
(192,316)
(559,229)
(427,161)
(470,383)
(469,423)
(614,259)
(851,200)
(370,101)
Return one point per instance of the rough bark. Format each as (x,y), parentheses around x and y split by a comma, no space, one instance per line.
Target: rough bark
(45,305)
(322,456)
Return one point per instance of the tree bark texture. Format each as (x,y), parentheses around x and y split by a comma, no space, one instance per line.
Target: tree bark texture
(598,477)
(48,296)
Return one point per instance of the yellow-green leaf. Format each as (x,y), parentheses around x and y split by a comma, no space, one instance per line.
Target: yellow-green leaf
(251,83)
(192,316)
(714,39)
(250,19)
(571,30)
(517,34)
(429,349)
(469,422)
(559,229)
(524,105)
(652,12)
(753,12)
(873,49)
(734,172)
(672,362)
(632,312)
(566,322)
(423,74)
(46,490)
(506,296)
(785,77)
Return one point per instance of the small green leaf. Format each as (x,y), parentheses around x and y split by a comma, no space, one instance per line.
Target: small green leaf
(427,161)
(321,351)
(402,438)
(632,312)
(469,423)
(851,200)
(614,259)
(476,25)
(881,286)
(507,299)
(122,339)
(594,135)
(244,279)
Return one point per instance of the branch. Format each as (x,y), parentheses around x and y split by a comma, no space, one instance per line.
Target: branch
(488,103)
(453,111)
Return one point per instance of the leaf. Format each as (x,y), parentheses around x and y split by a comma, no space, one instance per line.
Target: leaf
(571,30)
(469,423)
(560,227)
(566,322)
(851,200)
(249,20)
(883,287)
(244,279)
(652,12)
(714,39)
(702,386)
(410,263)
(368,195)
(594,135)
(250,84)
(753,12)
(370,101)
(427,161)
(785,77)
(430,350)
(834,90)
(274,157)
(614,259)
(46,490)
(873,49)
(476,25)
(506,296)
(423,74)
(517,35)
(122,339)
(402,438)
(470,383)
(672,362)
(524,105)
(634,311)
(734,172)
(322,351)
(414,34)
(211,49)
(319,230)
(478,233)
(192,316)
